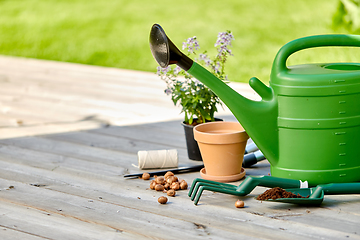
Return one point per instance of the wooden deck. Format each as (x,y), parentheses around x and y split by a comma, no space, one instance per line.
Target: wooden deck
(68,134)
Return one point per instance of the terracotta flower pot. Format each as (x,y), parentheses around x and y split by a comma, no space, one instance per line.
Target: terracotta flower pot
(222,146)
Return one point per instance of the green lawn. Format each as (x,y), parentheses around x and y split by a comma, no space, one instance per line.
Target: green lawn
(115,32)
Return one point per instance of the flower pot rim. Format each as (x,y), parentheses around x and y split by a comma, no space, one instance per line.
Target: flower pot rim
(220,133)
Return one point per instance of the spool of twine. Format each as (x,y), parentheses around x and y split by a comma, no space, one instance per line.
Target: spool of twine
(158,159)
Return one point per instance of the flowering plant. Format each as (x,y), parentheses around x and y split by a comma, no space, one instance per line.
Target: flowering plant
(197,101)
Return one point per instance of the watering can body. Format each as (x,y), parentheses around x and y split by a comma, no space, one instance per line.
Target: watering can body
(307,123)
(318,115)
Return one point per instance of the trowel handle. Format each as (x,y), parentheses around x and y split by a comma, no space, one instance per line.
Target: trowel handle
(252,158)
(337,188)
(251,147)
(345,40)
(269,181)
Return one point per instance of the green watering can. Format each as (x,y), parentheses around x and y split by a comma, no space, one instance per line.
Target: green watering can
(308,122)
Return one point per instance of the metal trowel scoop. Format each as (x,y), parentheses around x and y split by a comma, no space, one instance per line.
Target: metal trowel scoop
(315,196)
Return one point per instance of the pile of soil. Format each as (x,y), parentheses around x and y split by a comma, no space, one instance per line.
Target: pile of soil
(278,192)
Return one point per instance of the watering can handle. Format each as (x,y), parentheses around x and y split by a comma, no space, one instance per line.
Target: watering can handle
(344,40)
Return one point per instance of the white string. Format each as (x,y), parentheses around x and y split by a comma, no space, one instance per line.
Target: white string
(158,159)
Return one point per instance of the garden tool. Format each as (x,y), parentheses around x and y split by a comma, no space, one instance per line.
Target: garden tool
(252,158)
(250,182)
(314,196)
(251,147)
(194,168)
(307,123)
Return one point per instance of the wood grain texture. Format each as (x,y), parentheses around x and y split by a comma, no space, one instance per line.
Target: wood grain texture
(68,135)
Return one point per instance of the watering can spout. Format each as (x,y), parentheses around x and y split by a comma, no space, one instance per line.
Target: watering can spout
(165,52)
(259,118)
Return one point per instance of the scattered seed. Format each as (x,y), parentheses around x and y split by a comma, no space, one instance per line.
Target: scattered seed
(239,204)
(162,200)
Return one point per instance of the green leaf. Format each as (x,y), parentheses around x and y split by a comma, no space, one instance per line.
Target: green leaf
(191,120)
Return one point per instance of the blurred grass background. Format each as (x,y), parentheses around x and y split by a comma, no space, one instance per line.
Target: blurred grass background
(115,33)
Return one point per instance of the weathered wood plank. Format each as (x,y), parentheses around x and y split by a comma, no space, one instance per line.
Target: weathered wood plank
(116,216)
(85,125)
(134,191)
(110,142)
(36,223)
(67,72)
(134,199)
(47,128)
(92,95)
(52,162)
(10,233)
(137,189)
(77,109)
(64,149)
(73,96)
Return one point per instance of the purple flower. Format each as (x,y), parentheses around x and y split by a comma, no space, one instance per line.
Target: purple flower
(223,43)
(177,70)
(222,51)
(191,45)
(163,71)
(224,38)
(217,67)
(168,91)
(158,70)
(205,58)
